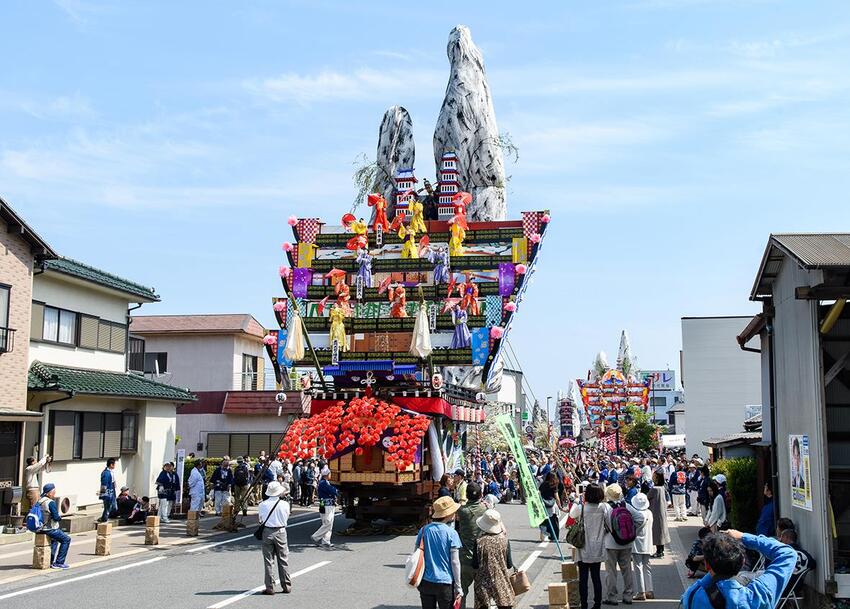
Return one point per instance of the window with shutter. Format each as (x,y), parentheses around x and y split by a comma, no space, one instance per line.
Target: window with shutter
(92,435)
(37,320)
(118,341)
(112,435)
(238,444)
(104,336)
(62,440)
(258,442)
(129,432)
(218,444)
(88,331)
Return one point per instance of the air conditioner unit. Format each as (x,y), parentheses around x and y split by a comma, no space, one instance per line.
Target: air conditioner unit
(67,505)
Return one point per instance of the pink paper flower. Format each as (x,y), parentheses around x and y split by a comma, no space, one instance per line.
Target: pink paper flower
(269,339)
(279,306)
(545,219)
(535,238)
(510,307)
(284,271)
(287,247)
(496,332)
(521,269)
(292,221)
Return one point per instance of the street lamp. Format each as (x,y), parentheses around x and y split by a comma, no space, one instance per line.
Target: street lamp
(549,417)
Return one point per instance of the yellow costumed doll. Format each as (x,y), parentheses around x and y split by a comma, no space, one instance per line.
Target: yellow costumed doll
(410,249)
(456,242)
(359,240)
(337,317)
(417,220)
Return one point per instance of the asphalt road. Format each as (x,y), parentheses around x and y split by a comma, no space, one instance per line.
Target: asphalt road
(360,572)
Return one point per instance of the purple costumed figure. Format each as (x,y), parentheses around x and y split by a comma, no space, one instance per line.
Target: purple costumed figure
(462,337)
(365,271)
(440,259)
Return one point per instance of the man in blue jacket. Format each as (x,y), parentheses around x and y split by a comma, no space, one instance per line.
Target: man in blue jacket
(167,487)
(222,482)
(107,490)
(328,495)
(60,541)
(766,525)
(724,558)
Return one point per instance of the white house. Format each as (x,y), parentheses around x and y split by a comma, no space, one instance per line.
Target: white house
(92,407)
(723,383)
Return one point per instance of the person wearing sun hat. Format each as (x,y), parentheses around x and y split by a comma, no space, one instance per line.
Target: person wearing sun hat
(274,514)
(492,561)
(642,547)
(441,581)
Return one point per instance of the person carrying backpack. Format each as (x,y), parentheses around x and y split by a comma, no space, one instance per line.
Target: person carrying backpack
(46,514)
(724,558)
(618,546)
(241,483)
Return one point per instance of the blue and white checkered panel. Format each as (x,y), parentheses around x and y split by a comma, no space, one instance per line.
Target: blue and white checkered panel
(493,309)
(480,346)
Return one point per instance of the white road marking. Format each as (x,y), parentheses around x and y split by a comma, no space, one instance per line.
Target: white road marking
(81,577)
(207,546)
(258,589)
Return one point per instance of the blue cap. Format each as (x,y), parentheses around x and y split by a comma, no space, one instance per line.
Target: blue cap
(47,488)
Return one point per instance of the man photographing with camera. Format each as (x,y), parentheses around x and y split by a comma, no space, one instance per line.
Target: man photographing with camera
(724,558)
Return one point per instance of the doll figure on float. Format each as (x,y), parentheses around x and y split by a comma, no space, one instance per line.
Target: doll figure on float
(456,241)
(462,337)
(398,301)
(469,296)
(337,317)
(410,249)
(439,257)
(380,204)
(359,240)
(343,297)
(364,271)
(417,219)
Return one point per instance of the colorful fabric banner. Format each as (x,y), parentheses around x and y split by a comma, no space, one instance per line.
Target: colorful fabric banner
(519,251)
(306,251)
(507,278)
(303,278)
(480,346)
(536,512)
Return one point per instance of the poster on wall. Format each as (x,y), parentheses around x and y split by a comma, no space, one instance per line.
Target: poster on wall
(801,487)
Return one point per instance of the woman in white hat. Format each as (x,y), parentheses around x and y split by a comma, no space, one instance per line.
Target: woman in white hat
(441,580)
(492,559)
(274,514)
(643,546)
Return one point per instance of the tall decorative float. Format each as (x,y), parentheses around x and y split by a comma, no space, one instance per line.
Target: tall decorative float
(393,323)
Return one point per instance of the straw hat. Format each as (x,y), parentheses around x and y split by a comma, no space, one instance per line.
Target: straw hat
(275,489)
(445,506)
(490,522)
(640,502)
(613,492)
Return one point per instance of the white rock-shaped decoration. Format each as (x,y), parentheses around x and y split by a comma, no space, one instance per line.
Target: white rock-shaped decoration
(396,150)
(467,126)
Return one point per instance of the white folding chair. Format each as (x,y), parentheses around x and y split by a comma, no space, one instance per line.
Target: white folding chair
(794,590)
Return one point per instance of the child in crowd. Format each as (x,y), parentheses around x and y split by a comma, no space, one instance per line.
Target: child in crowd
(695,562)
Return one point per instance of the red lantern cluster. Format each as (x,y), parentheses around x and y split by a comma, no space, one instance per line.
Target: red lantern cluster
(408,432)
(362,423)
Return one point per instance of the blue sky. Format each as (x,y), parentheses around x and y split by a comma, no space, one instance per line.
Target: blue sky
(169,142)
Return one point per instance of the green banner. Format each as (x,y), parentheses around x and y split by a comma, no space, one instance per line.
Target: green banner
(536,512)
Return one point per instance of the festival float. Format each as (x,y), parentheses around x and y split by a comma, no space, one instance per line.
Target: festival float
(392,322)
(608,392)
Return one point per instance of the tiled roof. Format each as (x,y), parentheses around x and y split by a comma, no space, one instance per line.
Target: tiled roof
(48,377)
(39,246)
(247,403)
(743,437)
(79,270)
(192,324)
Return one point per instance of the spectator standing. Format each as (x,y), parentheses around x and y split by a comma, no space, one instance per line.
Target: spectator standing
(694,479)
(716,516)
(642,547)
(460,486)
(658,507)
(702,492)
(678,488)
(552,503)
(491,561)
(60,541)
(724,557)
(617,555)
(440,586)
(31,474)
(274,513)
(445,486)
(108,492)
(590,557)
(221,481)
(296,481)
(241,484)
(328,495)
(167,487)
(765,525)
(468,531)
(197,490)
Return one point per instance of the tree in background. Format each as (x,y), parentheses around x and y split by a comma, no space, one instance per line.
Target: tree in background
(640,433)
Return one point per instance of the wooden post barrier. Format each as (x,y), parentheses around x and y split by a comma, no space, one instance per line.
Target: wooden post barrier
(41,552)
(192,524)
(152,531)
(103,542)
(558,597)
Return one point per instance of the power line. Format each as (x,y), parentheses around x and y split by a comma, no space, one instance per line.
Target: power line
(519,366)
